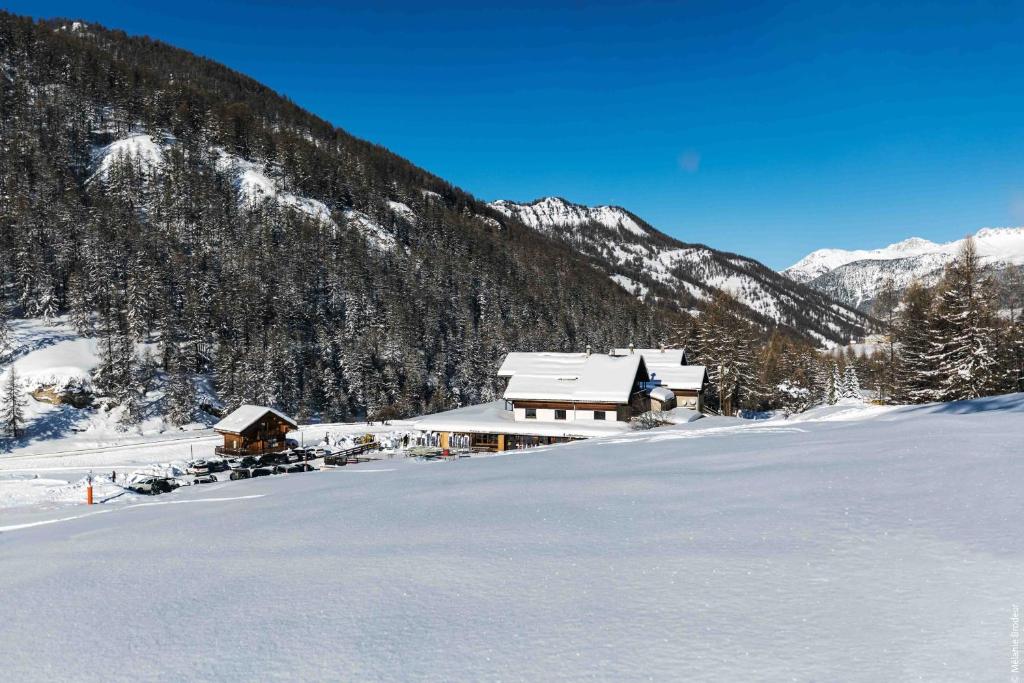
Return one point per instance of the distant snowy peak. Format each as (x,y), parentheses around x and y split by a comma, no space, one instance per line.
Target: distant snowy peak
(856,276)
(649,264)
(554,212)
(995,244)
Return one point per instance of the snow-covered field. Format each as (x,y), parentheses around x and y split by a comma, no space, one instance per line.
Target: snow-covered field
(851,543)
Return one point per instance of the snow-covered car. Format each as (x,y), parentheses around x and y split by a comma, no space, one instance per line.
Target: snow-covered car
(299,455)
(205,479)
(245,461)
(270,459)
(198,467)
(152,486)
(295,467)
(241,473)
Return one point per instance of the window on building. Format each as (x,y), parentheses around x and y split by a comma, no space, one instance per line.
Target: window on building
(559,414)
(598,414)
(531,413)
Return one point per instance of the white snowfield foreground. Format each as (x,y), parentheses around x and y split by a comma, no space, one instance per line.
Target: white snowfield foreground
(849,544)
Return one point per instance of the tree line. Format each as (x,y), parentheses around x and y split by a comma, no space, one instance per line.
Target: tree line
(960,338)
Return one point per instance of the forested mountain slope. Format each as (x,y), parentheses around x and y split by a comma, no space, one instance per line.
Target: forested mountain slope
(152,194)
(656,267)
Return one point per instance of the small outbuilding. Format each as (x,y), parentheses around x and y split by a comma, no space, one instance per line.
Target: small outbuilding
(662,398)
(252,430)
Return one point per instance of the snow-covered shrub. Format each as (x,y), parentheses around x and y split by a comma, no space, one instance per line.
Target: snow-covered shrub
(650,420)
(793,398)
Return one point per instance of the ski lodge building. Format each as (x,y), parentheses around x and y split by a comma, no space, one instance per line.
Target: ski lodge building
(557,397)
(669,366)
(252,430)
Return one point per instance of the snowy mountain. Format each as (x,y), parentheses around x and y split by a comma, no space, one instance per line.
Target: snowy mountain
(651,265)
(157,197)
(856,276)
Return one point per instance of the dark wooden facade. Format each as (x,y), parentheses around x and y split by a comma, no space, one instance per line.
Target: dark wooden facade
(266,435)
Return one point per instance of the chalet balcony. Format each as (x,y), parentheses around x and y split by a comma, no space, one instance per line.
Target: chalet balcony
(229,452)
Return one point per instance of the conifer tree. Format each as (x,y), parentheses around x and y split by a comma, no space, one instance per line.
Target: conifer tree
(181,393)
(851,384)
(835,384)
(12,404)
(6,343)
(914,380)
(964,355)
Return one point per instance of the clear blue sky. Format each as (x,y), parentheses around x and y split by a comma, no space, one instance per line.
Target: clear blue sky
(764,130)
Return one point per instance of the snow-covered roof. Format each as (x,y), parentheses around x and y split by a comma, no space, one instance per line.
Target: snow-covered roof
(492,418)
(684,377)
(246,416)
(662,394)
(664,364)
(667,365)
(596,377)
(659,357)
(540,363)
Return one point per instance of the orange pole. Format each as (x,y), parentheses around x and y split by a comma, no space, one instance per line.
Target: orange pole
(88,494)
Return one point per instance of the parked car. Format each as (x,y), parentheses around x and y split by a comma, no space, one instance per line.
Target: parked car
(270,459)
(295,467)
(152,486)
(205,479)
(245,461)
(198,467)
(218,465)
(240,473)
(262,472)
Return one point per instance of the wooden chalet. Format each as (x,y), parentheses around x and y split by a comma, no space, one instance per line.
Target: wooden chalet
(252,430)
(669,367)
(550,398)
(556,397)
(575,387)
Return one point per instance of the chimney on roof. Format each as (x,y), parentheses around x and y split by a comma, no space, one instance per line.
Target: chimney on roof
(588,350)
(631,348)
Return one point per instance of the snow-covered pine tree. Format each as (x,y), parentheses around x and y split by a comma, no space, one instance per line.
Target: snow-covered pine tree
(914,380)
(181,393)
(6,344)
(147,370)
(1015,354)
(724,343)
(835,385)
(851,383)
(1012,299)
(964,355)
(12,404)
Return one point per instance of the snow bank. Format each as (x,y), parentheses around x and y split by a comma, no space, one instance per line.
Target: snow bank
(65,364)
